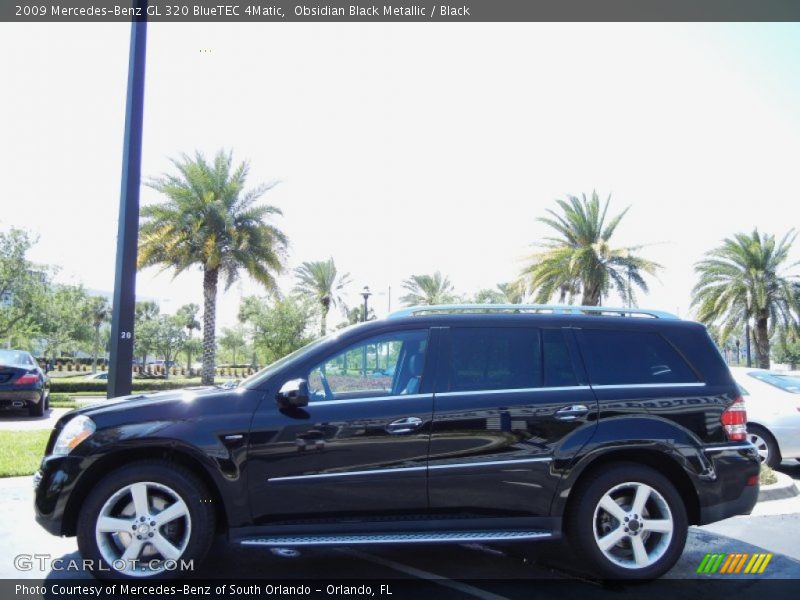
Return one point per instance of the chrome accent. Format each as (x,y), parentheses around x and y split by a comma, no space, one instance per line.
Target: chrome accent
(395,538)
(558,309)
(369,399)
(631,386)
(409,469)
(233,437)
(568,388)
(490,462)
(406,425)
(747,446)
(571,413)
(347,474)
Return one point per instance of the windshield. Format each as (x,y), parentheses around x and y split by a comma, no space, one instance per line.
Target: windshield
(14,357)
(787,383)
(257,378)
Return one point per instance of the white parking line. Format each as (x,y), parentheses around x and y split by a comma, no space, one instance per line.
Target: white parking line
(464,588)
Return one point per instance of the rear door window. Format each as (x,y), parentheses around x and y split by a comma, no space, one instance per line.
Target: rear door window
(619,357)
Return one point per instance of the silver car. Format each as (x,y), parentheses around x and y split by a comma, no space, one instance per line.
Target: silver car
(772,399)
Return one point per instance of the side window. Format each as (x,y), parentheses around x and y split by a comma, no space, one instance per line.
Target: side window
(619,357)
(558,369)
(386,365)
(484,358)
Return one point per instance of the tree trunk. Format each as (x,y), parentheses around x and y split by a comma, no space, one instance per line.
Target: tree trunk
(189,354)
(761,335)
(326,305)
(96,348)
(591,295)
(210,278)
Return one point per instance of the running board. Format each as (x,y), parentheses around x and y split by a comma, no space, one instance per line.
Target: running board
(396,538)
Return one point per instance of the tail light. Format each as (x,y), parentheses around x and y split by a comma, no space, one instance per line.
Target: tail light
(28,379)
(734,421)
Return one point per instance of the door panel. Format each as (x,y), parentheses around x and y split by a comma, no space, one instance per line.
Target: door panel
(359,449)
(492,450)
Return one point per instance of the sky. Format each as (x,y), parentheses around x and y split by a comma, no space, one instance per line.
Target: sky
(405,148)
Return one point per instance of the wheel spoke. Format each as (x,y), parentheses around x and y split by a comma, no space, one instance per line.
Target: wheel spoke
(165,547)
(612,539)
(140,501)
(172,512)
(639,551)
(642,494)
(615,510)
(133,550)
(113,525)
(657,525)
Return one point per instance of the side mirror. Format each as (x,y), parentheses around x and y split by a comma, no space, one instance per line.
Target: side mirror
(293,394)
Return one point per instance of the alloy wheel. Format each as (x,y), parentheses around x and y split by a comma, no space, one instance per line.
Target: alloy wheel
(633,525)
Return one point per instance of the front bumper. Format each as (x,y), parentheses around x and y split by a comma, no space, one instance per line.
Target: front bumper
(53,483)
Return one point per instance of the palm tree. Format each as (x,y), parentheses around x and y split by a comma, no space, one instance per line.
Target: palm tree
(512,292)
(427,290)
(100,312)
(743,280)
(187,316)
(581,259)
(210,221)
(320,281)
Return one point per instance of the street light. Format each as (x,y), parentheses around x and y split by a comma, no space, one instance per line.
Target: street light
(366,293)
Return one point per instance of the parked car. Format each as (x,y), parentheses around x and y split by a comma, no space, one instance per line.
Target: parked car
(99,376)
(617,428)
(23,383)
(773,412)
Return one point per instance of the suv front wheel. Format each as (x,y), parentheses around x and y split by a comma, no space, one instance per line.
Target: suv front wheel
(628,522)
(145,520)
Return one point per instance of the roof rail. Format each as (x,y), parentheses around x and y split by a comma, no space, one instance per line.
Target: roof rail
(555,309)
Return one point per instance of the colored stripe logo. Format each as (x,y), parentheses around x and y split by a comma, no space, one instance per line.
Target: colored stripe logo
(728,564)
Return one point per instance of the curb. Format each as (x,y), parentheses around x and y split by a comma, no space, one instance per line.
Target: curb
(784,488)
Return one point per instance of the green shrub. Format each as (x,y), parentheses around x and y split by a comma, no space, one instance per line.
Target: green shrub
(139,385)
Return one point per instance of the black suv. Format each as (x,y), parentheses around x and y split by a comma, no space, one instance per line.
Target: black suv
(615,428)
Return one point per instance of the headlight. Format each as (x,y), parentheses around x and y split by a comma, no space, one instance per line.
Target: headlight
(75,431)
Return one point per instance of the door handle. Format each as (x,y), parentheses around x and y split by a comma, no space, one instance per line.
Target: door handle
(406,425)
(572,412)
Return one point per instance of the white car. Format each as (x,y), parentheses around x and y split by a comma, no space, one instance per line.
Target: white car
(772,399)
(99,376)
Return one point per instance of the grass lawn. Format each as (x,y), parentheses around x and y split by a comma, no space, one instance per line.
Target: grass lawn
(21,451)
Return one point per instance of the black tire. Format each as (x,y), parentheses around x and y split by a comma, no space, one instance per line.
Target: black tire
(196,529)
(765,443)
(47,402)
(36,409)
(587,522)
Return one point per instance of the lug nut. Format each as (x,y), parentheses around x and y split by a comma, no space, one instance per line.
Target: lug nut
(150,534)
(152,523)
(133,526)
(141,518)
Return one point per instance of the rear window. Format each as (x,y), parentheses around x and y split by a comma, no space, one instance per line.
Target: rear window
(485,358)
(618,357)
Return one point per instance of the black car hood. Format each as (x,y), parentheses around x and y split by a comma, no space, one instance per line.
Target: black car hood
(134,401)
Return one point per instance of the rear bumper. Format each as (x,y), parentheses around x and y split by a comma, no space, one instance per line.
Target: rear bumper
(723,489)
(12,398)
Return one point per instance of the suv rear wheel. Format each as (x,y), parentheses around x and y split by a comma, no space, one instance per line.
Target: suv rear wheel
(142,517)
(628,522)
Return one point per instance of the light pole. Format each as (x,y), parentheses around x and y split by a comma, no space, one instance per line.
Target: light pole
(366,293)
(122,318)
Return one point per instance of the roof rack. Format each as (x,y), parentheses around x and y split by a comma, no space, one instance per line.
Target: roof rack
(555,309)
